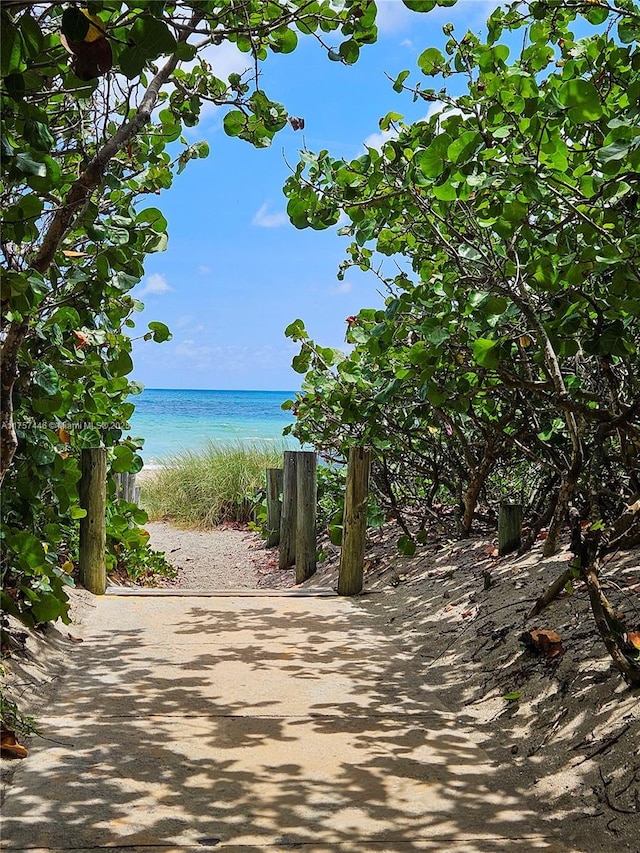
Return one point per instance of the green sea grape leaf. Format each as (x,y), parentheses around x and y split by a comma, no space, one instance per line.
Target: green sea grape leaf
(485,352)
(582,99)
(160,331)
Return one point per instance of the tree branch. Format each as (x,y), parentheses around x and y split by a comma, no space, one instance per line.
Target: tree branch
(84,186)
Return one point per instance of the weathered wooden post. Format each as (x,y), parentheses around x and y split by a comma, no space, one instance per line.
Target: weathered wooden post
(509,528)
(274,505)
(126,488)
(287,556)
(93,527)
(307,488)
(351,577)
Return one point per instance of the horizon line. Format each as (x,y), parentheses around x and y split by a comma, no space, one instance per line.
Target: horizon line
(228,390)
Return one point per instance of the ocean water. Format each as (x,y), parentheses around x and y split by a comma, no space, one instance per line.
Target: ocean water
(172,421)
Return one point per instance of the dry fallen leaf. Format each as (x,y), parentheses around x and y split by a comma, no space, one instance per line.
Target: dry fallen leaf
(633,638)
(9,746)
(545,641)
(75,639)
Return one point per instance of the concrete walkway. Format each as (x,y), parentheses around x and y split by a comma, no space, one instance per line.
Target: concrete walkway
(249,723)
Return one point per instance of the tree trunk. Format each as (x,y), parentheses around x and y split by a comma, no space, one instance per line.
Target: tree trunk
(559,519)
(9,373)
(551,593)
(611,631)
(472,492)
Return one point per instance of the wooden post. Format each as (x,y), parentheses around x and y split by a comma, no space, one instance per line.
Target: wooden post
(306,515)
(350,579)
(93,536)
(130,482)
(126,489)
(274,505)
(509,528)
(289,505)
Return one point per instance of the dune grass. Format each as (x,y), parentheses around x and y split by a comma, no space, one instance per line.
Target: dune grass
(218,484)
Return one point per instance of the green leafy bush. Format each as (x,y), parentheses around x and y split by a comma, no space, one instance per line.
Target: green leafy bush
(505,359)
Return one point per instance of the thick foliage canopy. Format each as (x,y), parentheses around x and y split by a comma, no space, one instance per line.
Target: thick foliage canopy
(505,362)
(95,100)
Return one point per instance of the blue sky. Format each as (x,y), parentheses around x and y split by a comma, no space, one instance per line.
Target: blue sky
(236,272)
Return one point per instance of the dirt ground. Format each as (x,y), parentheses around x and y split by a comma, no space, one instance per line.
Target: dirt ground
(560,719)
(230,557)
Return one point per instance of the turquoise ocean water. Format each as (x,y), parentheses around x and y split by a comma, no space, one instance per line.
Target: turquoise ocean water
(173,421)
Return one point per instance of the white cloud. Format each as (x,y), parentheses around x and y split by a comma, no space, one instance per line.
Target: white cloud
(264,219)
(226,59)
(189,323)
(342,287)
(203,269)
(407,43)
(435,108)
(154,284)
(442,110)
(377,140)
(233,358)
(392,15)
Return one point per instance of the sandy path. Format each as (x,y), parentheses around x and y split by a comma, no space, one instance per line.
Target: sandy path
(224,558)
(257,724)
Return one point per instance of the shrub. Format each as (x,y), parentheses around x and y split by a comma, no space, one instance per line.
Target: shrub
(222,483)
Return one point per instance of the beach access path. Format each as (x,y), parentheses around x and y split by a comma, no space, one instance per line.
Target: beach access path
(255,721)
(227,557)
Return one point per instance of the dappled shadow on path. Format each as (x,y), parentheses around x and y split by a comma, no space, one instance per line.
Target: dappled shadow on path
(564,728)
(257,724)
